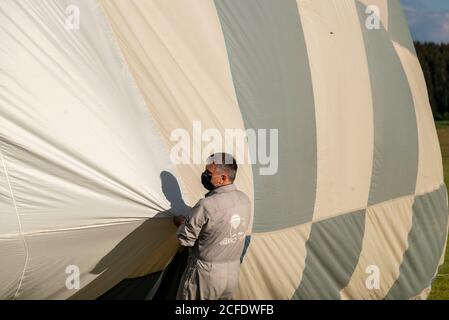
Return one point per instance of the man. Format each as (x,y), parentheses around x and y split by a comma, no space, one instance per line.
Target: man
(215,233)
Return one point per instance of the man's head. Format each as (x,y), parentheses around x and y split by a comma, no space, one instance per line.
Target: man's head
(221,170)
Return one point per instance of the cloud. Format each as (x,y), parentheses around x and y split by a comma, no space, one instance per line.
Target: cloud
(426,23)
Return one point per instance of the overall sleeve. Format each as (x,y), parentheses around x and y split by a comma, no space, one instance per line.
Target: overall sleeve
(189,231)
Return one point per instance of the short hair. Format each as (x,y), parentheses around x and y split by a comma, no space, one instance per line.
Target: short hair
(225,162)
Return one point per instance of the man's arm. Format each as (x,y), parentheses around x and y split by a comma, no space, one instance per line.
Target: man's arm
(189,231)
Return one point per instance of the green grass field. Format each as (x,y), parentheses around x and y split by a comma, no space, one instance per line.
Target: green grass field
(440,287)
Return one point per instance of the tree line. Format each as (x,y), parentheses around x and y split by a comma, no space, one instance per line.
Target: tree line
(434,59)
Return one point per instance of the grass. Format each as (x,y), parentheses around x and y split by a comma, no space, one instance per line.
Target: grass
(442,124)
(440,286)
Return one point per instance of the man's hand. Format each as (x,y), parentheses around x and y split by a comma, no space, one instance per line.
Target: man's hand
(179,220)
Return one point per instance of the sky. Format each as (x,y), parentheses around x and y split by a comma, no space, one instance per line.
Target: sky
(428,19)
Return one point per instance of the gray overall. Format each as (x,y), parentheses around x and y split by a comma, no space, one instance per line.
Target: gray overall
(214,231)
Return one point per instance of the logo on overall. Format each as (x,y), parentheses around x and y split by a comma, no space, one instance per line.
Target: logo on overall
(235,221)
(234,236)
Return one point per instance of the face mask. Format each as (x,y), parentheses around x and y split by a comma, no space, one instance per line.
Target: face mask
(206,178)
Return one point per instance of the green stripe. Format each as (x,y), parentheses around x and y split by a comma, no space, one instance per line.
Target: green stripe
(398,26)
(425,245)
(272,79)
(333,251)
(395,163)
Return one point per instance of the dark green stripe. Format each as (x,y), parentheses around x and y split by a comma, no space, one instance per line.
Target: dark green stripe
(333,251)
(425,245)
(395,163)
(398,26)
(270,69)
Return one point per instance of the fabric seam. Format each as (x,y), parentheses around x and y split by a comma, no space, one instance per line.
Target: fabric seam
(2,157)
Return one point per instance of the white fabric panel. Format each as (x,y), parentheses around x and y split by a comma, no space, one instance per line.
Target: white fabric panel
(147,248)
(12,262)
(176,52)
(77,139)
(344,114)
(430,166)
(274,264)
(8,216)
(12,246)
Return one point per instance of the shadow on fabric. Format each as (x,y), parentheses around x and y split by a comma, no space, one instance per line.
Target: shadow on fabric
(150,247)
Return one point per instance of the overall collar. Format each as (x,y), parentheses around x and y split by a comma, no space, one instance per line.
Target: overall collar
(227,188)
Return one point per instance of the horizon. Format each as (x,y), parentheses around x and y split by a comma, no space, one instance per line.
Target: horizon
(428,19)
